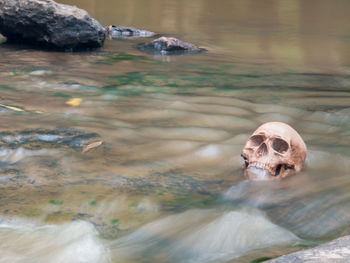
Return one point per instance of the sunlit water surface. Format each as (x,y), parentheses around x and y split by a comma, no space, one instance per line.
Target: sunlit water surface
(166,185)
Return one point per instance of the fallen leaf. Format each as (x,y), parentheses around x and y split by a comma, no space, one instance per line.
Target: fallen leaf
(11,107)
(74,102)
(91,146)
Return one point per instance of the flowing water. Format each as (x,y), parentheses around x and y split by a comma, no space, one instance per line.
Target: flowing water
(166,184)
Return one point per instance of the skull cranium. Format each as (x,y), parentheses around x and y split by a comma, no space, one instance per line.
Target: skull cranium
(273,151)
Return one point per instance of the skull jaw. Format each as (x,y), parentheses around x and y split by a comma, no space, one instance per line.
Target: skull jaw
(260,174)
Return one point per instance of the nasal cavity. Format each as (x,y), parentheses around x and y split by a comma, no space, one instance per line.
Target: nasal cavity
(262,150)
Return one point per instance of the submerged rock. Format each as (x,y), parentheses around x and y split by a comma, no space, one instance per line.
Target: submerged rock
(127,32)
(170,46)
(334,251)
(44,23)
(36,139)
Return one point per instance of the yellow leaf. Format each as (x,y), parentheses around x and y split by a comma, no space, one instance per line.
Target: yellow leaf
(74,102)
(11,107)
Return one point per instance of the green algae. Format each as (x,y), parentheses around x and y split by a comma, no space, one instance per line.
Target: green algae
(134,204)
(7,88)
(118,57)
(55,202)
(92,203)
(115,221)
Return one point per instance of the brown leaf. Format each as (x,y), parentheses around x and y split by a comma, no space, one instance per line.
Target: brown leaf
(91,146)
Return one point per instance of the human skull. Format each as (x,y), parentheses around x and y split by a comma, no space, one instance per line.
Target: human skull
(274,151)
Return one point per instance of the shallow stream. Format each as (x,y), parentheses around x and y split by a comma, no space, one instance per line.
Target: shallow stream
(166,184)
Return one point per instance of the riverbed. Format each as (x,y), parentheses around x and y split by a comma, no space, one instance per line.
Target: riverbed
(164,181)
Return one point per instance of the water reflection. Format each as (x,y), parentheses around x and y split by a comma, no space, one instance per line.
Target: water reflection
(313,33)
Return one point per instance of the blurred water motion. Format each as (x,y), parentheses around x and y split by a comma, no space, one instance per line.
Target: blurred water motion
(166,180)
(203,236)
(72,243)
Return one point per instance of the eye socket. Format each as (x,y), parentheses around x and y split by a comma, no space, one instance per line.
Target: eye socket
(256,140)
(280,145)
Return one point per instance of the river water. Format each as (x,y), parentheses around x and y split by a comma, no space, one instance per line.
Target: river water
(166,184)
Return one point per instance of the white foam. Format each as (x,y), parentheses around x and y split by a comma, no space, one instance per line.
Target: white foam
(75,242)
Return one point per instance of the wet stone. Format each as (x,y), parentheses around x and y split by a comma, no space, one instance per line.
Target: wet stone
(170,46)
(44,23)
(118,32)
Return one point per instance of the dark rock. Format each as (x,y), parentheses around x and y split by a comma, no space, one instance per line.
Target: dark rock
(170,46)
(127,32)
(47,24)
(334,251)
